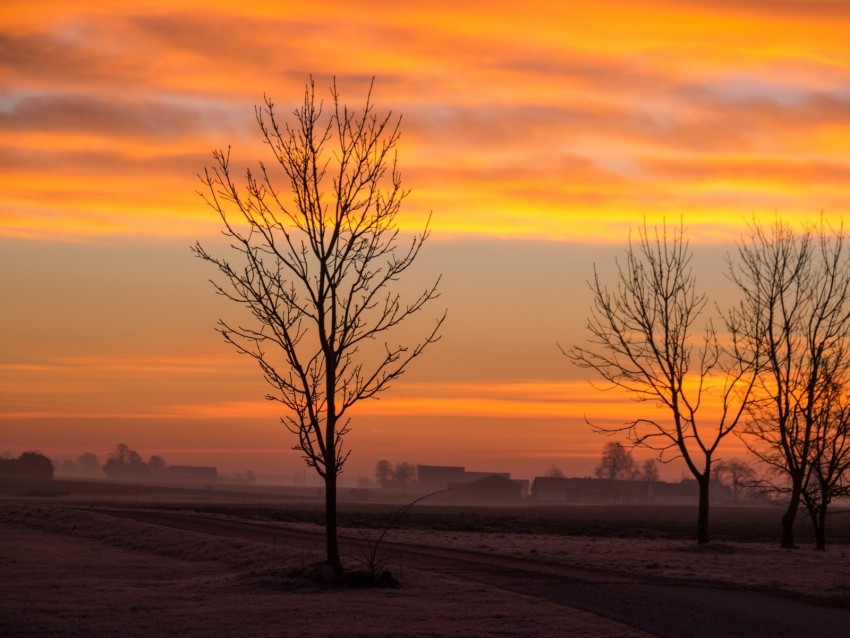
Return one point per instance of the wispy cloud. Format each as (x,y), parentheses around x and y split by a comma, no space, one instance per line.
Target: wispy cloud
(552,124)
(503,134)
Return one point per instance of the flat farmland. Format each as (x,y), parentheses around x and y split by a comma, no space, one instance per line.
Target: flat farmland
(96,560)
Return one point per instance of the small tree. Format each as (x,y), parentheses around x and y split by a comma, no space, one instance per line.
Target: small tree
(317,266)
(553,471)
(156,463)
(828,474)
(648,471)
(89,465)
(616,463)
(405,474)
(738,475)
(402,475)
(384,473)
(643,341)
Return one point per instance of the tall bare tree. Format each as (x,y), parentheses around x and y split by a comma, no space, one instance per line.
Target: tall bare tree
(795,313)
(316,266)
(828,474)
(644,339)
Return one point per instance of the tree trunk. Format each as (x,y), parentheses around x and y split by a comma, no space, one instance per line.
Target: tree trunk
(788,519)
(331,540)
(702,517)
(819,520)
(820,529)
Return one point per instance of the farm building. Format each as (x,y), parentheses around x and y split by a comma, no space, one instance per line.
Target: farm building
(433,478)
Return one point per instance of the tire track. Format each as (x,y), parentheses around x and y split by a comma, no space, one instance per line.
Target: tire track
(658,605)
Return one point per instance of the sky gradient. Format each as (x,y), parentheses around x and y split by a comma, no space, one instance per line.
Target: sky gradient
(537,138)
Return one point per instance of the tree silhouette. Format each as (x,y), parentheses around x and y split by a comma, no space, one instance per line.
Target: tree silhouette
(125,463)
(643,341)
(88,464)
(616,463)
(404,474)
(795,315)
(28,465)
(156,463)
(829,460)
(384,473)
(399,476)
(317,262)
(648,471)
(553,471)
(737,474)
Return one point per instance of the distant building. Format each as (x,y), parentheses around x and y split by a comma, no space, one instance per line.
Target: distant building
(438,477)
(192,473)
(433,478)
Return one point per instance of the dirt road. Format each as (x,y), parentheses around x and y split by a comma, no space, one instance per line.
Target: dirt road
(657,605)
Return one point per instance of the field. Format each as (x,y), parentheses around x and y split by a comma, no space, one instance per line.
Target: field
(100,560)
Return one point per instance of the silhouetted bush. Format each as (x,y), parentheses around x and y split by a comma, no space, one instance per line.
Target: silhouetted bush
(28,465)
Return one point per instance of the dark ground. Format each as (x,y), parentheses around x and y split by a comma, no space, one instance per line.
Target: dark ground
(729,522)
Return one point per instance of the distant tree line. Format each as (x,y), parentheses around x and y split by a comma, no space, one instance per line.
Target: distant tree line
(87,465)
(126,463)
(617,464)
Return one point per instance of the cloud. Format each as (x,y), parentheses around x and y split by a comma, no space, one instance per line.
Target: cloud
(83,113)
(39,58)
(99,163)
(816,10)
(771,173)
(533,123)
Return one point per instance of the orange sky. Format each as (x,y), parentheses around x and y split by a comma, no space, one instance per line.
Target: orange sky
(537,136)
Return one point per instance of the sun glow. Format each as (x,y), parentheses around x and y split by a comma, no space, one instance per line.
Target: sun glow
(538,140)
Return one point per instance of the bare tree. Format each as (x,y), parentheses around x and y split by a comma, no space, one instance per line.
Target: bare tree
(644,340)
(384,473)
(317,264)
(404,474)
(401,475)
(89,465)
(616,463)
(736,474)
(795,315)
(648,471)
(829,460)
(156,463)
(553,471)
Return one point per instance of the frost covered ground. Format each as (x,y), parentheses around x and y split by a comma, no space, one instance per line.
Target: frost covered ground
(74,572)
(759,565)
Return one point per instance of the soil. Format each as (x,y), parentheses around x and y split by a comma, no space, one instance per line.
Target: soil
(200,562)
